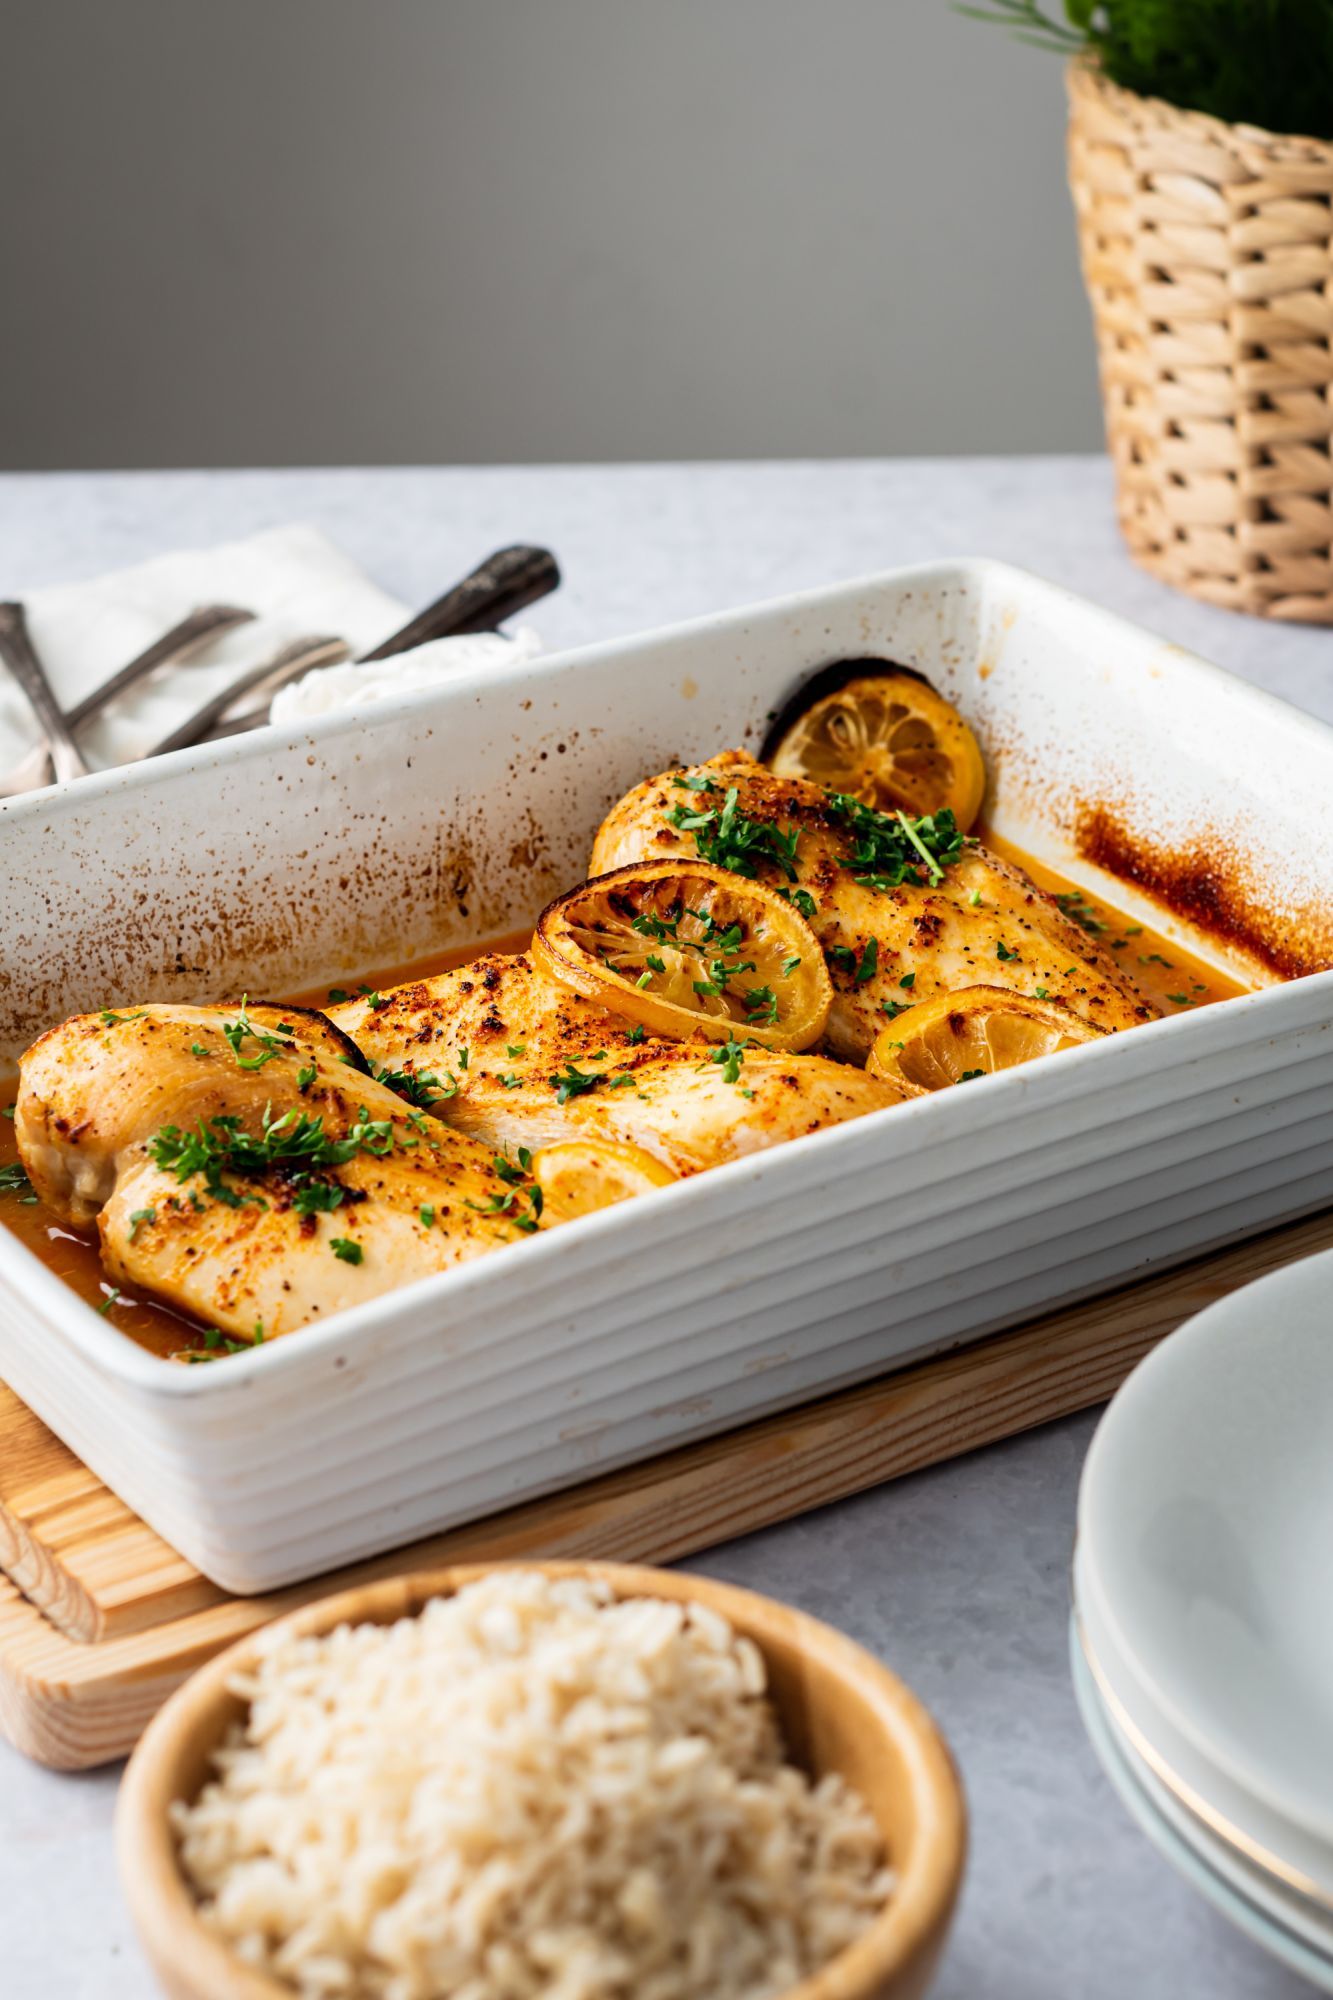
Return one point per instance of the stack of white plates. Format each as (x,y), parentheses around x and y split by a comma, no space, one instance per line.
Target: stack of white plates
(1203,1607)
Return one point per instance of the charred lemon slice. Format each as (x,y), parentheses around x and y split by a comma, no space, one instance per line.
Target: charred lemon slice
(577,1176)
(974,1032)
(885,736)
(686,948)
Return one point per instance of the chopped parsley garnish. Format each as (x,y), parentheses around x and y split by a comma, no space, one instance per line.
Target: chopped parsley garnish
(789,966)
(975,899)
(112,1298)
(198,1049)
(516,1050)
(572,1082)
(427,1214)
(10,1110)
(731,1054)
(968,1075)
(908,981)
(761,1007)
(801,901)
(519,1188)
(889,849)
(730,839)
(862,968)
(110,1020)
(464,1057)
(138,1219)
(688,784)
(419,1087)
(726,937)
(1077,907)
(893,1008)
(636,1034)
(1041,993)
(1002,951)
(217,1344)
(345,1250)
(220,1146)
(305,1076)
(338,995)
(511,1080)
(14,1180)
(319,1197)
(1180,999)
(660,928)
(237,1033)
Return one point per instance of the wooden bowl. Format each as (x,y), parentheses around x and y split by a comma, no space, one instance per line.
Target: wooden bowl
(840,1711)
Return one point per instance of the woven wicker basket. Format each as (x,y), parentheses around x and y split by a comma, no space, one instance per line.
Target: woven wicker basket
(1208,255)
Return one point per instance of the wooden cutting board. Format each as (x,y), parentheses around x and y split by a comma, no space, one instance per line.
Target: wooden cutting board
(100,1619)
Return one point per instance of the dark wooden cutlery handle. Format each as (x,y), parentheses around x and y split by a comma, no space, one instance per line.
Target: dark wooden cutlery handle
(498,587)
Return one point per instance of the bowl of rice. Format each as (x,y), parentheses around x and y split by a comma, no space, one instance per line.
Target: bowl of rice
(578,1781)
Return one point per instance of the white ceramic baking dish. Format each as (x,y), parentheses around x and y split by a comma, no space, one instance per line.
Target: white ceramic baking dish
(273,863)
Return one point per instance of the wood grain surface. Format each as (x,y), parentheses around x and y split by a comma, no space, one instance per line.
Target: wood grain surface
(100,1619)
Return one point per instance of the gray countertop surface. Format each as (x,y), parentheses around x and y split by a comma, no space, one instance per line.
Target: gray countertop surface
(958,1576)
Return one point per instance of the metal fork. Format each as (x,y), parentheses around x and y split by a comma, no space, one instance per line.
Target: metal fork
(20,657)
(178,647)
(296,658)
(504,583)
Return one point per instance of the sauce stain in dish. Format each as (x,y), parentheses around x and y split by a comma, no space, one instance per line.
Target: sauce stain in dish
(1164,972)
(1169,976)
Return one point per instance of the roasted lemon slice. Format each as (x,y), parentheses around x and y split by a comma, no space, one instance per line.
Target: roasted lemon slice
(886,737)
(577,1176)
(974,1032)
(684,948)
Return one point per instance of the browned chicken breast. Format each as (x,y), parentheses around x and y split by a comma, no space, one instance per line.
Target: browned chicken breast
(982,922)
(516,1059)
(98,1084)
(241,1165)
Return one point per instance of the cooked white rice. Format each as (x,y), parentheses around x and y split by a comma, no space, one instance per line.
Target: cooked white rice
(528,1790)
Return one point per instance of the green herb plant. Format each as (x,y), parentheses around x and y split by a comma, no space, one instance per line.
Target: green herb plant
(1251,62)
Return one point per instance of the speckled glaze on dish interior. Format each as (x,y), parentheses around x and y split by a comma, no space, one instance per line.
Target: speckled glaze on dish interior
(273,863)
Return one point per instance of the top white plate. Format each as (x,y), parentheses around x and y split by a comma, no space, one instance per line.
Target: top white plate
(1206,1532)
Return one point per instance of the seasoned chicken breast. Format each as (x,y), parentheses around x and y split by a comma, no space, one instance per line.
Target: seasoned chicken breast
(95,1086)
(240,1164)
(983,922)
(517,1060)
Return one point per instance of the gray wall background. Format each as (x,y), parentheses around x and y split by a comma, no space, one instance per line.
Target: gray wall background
(369,231)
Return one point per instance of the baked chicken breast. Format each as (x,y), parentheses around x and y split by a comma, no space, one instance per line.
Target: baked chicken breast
(982,922)
(515,1059)
(242,1164)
